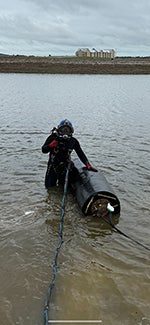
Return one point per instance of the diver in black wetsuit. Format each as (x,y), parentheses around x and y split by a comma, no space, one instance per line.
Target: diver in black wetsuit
(60,144)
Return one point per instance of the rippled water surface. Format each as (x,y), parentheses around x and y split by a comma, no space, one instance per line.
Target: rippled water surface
(102,275)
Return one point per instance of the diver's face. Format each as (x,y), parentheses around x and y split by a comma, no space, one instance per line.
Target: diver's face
(65,130)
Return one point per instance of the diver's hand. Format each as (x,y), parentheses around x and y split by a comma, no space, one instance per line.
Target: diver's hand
(89,167)
(53,144)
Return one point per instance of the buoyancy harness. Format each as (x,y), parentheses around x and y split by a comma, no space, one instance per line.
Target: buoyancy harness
(59,157)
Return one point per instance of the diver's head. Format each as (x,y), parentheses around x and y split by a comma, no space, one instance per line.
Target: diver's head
(65,129)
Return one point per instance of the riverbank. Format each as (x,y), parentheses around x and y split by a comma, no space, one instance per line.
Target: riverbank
(74,65)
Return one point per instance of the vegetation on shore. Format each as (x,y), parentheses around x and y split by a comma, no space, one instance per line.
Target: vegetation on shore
(73,65)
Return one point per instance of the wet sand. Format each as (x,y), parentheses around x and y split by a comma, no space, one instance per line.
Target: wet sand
(74,65)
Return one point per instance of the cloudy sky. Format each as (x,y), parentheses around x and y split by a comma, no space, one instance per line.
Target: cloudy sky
(60,27)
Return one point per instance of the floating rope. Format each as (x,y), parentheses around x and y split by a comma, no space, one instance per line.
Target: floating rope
(121,232)
(60,242)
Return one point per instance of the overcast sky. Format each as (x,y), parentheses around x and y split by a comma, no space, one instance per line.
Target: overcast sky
(60,27)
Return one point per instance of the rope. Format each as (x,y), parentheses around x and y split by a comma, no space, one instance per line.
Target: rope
(122,233)
(60,242)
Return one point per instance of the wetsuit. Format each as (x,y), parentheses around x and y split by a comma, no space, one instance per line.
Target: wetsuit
(58,158)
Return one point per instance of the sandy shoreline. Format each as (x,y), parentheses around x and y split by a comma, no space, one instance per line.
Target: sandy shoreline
(73,65)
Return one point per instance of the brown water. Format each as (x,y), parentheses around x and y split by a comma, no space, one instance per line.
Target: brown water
(102,275)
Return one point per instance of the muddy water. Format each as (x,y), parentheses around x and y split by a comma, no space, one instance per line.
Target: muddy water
(101,276)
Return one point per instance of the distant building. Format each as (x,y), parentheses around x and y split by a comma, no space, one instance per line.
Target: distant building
(83,52)
(102,54)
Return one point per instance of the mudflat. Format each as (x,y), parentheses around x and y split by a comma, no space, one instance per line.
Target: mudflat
(73,65)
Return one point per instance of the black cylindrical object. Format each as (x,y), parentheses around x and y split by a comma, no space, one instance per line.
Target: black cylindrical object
(93,192)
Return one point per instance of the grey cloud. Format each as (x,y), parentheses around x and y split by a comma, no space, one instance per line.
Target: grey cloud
(65,25)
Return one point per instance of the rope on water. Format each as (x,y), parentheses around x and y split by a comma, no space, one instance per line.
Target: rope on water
(121,232)
(60,242)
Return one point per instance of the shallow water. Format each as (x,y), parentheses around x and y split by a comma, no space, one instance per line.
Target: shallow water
(102,275)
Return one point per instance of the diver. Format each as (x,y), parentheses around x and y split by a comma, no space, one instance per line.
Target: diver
(59,144)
